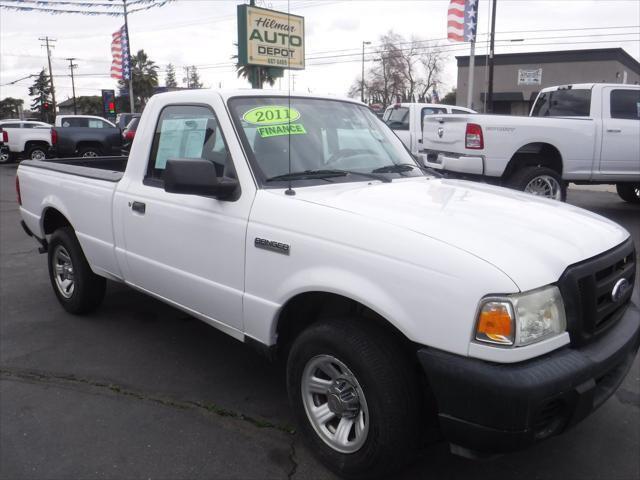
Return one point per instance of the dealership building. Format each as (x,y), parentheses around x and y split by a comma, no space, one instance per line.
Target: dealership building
(518,77)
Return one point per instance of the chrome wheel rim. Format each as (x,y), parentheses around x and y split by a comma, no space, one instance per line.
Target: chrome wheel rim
(4,156)
(335,404)
(63,271)
(637,191)
(38,155)
(544,186)
(90,154)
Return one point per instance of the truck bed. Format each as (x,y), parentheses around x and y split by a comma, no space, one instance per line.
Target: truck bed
(110,169)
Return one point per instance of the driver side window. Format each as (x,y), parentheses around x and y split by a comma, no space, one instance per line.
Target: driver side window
(187,131)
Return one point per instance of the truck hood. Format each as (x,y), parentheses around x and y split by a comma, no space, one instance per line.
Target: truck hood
(530,239)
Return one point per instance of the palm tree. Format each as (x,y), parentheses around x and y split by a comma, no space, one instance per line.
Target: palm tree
(144,73)
(245,71)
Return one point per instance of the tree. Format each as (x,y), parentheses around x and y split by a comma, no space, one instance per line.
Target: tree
(404,71)
(450,98)
(246,71)
(10,107)
(192,78)
(144,73)
(90,105)
(170,79)
(41,91)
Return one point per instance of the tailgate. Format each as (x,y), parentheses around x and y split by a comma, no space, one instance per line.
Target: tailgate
(445,133)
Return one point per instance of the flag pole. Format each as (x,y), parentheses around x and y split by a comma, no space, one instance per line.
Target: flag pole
(130,82)
(472,67)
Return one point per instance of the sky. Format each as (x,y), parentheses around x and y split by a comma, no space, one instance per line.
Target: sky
(203,33)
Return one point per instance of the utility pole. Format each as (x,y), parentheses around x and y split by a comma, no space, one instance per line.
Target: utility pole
(126,29)
(293,80)
(53,90)
(362,80)
(491,55)
(73,85)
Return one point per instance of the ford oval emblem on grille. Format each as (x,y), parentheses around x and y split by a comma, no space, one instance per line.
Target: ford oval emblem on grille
(440,132)
(619,289)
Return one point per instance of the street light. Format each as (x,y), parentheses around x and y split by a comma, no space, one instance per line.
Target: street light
(362,80)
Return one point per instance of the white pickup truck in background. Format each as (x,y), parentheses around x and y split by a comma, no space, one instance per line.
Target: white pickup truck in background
(407,120)
(406,307)
(587,133)
(24,138)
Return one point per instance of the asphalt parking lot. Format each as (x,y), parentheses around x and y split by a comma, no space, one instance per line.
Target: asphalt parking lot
(141,390)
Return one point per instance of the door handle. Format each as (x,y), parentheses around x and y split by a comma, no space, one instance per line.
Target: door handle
(614,130)
(138,207)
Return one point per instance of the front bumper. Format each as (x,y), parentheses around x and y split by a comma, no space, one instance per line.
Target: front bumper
(497,408)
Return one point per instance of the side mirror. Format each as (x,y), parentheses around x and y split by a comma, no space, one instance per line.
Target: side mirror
(196,176)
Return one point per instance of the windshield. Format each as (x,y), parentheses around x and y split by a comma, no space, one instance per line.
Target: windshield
(325,138)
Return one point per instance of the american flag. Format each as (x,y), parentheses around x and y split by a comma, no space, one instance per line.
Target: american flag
(121,63)
(462,20)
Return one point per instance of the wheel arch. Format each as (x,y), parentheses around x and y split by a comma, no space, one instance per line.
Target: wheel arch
(89,144)
(535,154)
(53,219)
(308,307)
(35,143)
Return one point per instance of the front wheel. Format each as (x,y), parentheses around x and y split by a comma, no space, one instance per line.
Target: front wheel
(539,181)
(78,289)
(629,192)
(356,396)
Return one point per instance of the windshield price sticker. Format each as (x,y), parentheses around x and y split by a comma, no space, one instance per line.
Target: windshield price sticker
(280,130)
(271,115)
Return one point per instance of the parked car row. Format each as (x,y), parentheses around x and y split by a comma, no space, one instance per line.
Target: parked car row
(70,136)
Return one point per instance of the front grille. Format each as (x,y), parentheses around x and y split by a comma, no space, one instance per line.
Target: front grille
(587,292)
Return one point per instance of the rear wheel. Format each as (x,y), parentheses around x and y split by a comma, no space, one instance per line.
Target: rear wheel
(539,181)
(357,397)
(629,192)
(37,152)
(89,152)
(78,289)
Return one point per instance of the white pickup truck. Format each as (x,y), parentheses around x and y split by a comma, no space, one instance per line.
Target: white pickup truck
(405,306)
(407,120)
(27,138)
(587,133)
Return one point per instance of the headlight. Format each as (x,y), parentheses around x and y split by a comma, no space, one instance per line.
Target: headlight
(521,319)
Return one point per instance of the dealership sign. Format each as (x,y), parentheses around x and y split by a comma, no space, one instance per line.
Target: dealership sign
(270,38)
(530,77)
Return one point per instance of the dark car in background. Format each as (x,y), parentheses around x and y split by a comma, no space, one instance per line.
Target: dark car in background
(78,136)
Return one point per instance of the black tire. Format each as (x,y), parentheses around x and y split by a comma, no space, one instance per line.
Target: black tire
(37,151)
(88,289)
(89,152)
(6,156)
(629,192)
(521,178)
(391,385)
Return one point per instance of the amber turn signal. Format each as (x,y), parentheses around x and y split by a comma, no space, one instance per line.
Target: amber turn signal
(496,323)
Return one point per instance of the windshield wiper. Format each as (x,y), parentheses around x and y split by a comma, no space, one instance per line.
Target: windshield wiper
(405,167)
(310,174)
